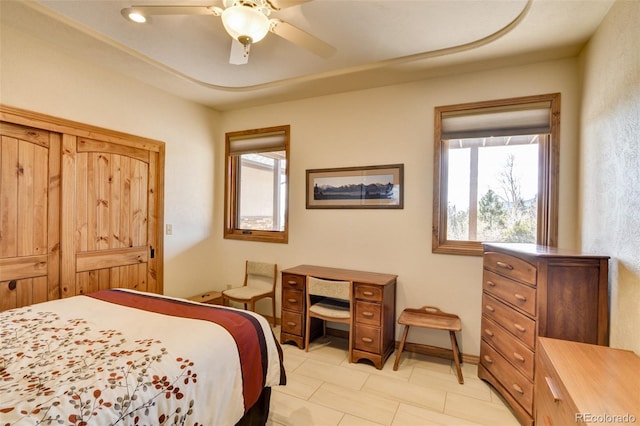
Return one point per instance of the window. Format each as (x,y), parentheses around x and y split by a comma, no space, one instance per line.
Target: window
(256,184)
(496,173)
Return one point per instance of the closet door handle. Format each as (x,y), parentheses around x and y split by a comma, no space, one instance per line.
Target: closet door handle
(12,285)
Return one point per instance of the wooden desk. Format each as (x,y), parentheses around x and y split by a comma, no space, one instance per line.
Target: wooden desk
(578,383)
(375,310)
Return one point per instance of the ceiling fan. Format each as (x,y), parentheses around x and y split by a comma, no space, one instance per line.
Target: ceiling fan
(246,21)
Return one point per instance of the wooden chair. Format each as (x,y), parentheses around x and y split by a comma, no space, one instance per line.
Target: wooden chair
(329,301)
(259,283)
(434,318)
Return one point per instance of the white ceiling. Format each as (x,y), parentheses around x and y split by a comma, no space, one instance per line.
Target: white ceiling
(377,42)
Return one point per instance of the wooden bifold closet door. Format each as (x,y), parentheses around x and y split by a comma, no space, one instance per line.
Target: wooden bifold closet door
(81,209)
(109,197)
(29,221)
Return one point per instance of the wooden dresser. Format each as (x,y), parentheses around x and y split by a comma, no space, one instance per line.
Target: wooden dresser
(531,291)
(581,383)
(375,310)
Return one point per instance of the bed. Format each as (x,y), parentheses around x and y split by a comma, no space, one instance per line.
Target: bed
(126,358)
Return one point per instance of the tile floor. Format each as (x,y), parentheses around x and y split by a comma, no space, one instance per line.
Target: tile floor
(323,389)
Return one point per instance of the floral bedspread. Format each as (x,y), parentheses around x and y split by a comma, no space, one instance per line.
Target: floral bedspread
(119,357)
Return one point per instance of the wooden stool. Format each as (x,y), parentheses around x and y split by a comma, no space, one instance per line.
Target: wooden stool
(431,317)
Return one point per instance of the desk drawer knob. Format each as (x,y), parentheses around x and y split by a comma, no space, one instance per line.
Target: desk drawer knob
(367,339)
(367,314)
(488,332)
(488,359)
(293,301)
(517,388)
(367,293)
(292,282)
(291,324)
(504,265)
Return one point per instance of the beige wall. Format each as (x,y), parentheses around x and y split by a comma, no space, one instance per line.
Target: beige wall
(610,163)
(385,126)
(40,77)
(381,126)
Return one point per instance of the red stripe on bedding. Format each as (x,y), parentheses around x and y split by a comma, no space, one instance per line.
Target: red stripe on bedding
(241,328)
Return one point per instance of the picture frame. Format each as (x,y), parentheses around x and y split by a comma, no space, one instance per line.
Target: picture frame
(365,187)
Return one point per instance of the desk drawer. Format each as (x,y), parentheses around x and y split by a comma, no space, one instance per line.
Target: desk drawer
(292,323)
(292,300)
(511,267)
(368,339)
(293,281)
(521,326)
(368,292)
(368,313)
(510,347)
(519,295)
(513,381)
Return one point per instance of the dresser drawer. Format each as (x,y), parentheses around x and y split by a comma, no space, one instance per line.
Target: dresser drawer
(292,300)
(368,292)
(292,323)
(293,281)
(521,326)
(368,339)
(510,347)
(513,381)
(368,313)
(519,295)
(511,267)
(553,405)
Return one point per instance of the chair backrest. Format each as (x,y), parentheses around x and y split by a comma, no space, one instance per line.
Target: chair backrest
(328,288)
(260,275)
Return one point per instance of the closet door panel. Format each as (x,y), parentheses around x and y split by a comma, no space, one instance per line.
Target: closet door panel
(112,245)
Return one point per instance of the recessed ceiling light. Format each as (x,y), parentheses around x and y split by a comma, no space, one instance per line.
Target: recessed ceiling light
(134,15)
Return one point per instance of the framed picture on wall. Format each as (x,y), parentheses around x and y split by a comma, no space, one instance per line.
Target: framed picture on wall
(367,187)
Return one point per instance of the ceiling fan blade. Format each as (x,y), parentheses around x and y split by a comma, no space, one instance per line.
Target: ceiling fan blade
(283,4)
(237,55)
(301,38)
(171,10)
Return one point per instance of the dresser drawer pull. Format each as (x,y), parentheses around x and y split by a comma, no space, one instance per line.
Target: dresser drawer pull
(504,265)
(292,282)
(491,284)
(517,389)
(552,387)
(291,324)
(520,297)
(367,314)
(519,357)
(367,293)
(293,301)
(519,327)
(488,332)
(367,339)
(490,308)
(488,359)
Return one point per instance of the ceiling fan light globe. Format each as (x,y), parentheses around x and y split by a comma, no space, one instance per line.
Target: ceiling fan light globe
(245,21)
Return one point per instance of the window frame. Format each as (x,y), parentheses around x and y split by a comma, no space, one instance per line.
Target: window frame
(548,177)
(231,221)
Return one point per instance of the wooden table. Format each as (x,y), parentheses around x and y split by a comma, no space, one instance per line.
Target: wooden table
(375,310)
